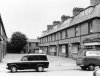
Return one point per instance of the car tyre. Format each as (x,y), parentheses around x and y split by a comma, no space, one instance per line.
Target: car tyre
(83,67)
(40,69)
(13,69)
(91,67)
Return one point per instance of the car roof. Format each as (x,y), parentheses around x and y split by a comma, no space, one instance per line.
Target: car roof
(33,54)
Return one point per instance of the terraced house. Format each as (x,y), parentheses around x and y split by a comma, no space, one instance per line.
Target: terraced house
(3,40)
(66,37)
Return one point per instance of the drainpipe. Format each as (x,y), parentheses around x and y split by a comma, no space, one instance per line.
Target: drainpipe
(28,47)
(80,38)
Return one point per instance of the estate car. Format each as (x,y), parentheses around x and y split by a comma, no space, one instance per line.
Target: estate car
(30,61)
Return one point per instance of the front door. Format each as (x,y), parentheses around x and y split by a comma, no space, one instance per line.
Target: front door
(66,50)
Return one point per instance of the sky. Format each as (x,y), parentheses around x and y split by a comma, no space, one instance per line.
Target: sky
(31,17)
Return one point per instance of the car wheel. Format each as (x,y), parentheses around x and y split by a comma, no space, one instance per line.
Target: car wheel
(83,67)
(13,69)
(40,68)
(91,67)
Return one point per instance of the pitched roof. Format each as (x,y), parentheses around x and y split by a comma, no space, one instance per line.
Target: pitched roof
(33,40)
(86,14)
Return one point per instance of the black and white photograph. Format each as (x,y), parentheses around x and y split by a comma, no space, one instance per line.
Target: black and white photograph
(49,37)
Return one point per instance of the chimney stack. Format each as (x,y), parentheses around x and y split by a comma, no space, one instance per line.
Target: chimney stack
(56,22)
(63,18)
(94,2)
(49,27)
(77,10)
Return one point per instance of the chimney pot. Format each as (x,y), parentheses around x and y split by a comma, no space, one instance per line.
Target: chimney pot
(77,10)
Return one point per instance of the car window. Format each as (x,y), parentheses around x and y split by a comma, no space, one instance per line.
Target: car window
(42,58)
(37,58)
(31,58)
(24,58)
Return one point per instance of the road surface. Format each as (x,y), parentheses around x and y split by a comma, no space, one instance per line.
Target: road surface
(59,66)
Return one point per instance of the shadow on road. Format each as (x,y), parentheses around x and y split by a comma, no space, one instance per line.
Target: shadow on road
(24,71)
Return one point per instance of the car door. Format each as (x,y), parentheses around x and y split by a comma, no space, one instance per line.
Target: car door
(24,64)
(32,62)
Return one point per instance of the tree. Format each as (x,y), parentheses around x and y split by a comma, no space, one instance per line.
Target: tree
(18,41)
(9,47)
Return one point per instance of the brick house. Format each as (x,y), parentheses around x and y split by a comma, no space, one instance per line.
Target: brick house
(3,40)
(32,46)
(67,37)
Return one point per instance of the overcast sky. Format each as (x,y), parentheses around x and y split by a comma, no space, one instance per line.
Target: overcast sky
(31,17)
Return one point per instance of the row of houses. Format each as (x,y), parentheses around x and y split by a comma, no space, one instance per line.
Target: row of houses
(66,37)
(3,40)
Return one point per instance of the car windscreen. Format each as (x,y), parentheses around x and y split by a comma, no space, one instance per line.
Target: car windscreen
(37,58)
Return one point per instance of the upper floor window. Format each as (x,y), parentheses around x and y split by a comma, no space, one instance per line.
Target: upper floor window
(55,36)
(76,31)
(50,38)
(47,38)
(90,27)
(60,34)
(66,33)
(40,40)
(44,39)
(29,44)
(36,44)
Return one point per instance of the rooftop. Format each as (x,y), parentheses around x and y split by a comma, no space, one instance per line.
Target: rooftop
(86,14)
(33,40)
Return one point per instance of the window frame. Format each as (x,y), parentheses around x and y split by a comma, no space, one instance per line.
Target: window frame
(90,27)
(76,31)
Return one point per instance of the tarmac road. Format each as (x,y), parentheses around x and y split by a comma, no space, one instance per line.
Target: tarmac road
(59,66)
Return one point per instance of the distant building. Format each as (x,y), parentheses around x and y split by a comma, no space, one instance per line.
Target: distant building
(3,40)
(71,34)
(33,46)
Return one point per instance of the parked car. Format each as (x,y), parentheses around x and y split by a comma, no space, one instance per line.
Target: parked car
(88,59)
(30,61)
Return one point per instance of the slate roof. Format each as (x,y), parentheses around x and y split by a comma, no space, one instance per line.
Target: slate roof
(94,11)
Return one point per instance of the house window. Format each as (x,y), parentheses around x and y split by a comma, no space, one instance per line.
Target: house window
(55,36)
(36,44)
(90,27)
(42,40)
(46,39)
(77,31)
(66,33)
(61,35)
(50,38)
(29,44)
(60,48)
